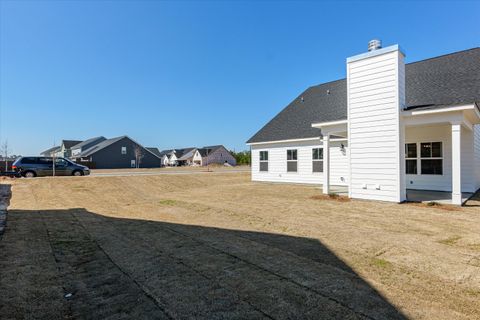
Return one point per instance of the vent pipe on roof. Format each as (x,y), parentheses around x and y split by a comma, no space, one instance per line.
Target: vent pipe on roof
(374,44)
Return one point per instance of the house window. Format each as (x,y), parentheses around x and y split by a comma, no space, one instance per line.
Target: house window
(124,150)
(292,160)
(263,160)
(411,158)
(317,160)
(431,158)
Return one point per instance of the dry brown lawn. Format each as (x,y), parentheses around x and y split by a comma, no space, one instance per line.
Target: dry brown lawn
(220,246)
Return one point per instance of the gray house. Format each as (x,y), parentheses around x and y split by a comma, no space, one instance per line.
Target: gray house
(116,153)
(216,154)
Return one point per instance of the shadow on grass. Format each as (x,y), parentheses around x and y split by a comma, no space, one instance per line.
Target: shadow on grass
(474,200)
(78,264)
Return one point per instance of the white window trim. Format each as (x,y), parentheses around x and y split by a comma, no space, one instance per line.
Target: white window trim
(121,150)
(292,172)
(318,160)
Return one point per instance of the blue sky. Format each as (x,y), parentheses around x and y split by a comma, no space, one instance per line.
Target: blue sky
(179,74)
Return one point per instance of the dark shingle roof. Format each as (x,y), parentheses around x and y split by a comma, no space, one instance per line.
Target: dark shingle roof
(87,142)
(451,79)
(99,146)
(48,152)
(208,150)
(155,151)
(70,143)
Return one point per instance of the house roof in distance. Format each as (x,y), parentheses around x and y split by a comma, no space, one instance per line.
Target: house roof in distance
(70,143)
(155,151)
(50,150)
(88,141)
(99,146)
(209,149)
(451,79)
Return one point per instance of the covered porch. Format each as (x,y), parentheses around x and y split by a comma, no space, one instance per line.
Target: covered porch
(437,159)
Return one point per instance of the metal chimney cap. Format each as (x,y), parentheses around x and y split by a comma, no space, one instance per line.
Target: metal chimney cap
(374,44)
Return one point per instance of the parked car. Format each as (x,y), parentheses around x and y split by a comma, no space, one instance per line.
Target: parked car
(30,167)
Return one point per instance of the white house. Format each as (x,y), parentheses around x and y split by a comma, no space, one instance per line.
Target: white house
(386,129)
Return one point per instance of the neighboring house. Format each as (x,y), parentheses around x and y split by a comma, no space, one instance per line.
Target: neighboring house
(65,148)
(386,128)
(168,158)
(197,156)
(84,145)
(216,155)
(50,152)
(118,152)
(190,157)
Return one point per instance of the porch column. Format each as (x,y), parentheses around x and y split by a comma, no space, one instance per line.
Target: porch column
(456,164)
(326,163)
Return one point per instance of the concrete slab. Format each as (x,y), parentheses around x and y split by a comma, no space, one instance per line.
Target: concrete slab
(434,196)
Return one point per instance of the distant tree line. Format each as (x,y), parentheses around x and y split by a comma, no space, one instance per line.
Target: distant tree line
(242,157)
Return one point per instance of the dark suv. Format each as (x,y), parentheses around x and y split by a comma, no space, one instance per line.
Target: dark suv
(30,167)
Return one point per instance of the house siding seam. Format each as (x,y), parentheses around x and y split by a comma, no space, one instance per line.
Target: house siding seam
(378,141)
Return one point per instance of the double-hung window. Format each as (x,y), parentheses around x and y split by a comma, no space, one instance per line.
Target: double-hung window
(431,158)
(317,160)
(411,158)
(427,155)
(292,160)
(124,150)
(263,160)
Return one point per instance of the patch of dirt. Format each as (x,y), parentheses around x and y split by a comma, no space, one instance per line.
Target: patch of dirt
(221,246)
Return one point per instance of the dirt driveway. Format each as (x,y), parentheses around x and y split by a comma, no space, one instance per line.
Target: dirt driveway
(220,246)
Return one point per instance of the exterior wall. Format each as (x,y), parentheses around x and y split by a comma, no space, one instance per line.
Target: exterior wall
(375,86)
(443,133)
(197,158)
(111,157)
(277,163)
(220,156)
(476,141)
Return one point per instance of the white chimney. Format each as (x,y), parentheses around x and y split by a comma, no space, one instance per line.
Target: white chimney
(376,95)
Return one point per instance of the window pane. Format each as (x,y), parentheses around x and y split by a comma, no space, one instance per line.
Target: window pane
(320,152)
(263,155)
(426,150)
(317,166)
(411,167)
(264,166)
(291,154)
(437,149)
(411,150)
(292,166)
(432,166)
(315,154)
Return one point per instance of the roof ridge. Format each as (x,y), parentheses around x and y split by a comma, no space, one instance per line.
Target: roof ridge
(440,56)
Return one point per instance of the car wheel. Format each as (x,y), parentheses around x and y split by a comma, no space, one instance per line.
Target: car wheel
(29,174)
(77,173)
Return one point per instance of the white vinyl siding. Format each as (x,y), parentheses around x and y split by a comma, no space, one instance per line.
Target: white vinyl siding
(277,163)
(375,96)
(477,156)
